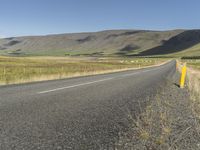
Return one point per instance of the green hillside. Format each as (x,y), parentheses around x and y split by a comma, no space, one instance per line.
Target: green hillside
(193,51)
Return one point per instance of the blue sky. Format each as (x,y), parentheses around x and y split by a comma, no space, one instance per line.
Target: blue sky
(40,17)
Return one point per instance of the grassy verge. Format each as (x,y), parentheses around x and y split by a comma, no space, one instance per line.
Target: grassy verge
(193,76)
(167,123)
(29,69)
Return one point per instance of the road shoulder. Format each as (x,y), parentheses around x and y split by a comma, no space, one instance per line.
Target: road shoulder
(168,122)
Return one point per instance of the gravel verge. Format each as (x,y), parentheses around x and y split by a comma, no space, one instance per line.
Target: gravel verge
(167,123)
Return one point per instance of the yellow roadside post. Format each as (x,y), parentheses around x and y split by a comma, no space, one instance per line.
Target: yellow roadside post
(183,75)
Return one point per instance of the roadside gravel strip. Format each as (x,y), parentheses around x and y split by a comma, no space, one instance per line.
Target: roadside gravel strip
(86,113)
(168,122)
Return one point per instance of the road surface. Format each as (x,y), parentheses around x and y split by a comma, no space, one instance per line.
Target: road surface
(79,113)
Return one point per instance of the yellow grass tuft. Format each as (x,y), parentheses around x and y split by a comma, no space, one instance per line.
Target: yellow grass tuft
(160,140)
(144,135)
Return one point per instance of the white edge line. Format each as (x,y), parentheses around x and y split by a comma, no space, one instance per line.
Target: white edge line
(72,86)
(87,83)
(143,71)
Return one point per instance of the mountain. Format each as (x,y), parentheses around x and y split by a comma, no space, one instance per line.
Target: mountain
(106,43)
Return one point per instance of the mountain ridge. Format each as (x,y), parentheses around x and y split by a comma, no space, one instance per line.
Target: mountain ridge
(102,43)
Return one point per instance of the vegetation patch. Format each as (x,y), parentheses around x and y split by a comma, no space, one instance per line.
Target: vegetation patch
(193,77)
(29,69)
(168,123)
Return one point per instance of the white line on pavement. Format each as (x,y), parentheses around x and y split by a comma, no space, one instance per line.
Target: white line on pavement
(87,83)
(130,74)
(72,86)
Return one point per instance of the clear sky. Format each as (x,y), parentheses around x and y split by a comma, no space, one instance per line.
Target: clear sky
(36,17)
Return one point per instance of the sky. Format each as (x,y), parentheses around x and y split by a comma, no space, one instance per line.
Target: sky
(41,17)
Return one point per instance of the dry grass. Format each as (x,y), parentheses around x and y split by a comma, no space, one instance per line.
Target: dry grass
(194,87)
(151,129)
(29,69)
(193,78)
(167,123)
(162,127)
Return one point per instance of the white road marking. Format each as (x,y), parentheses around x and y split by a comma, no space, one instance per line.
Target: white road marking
(87,83)
(72,86)
(130,74)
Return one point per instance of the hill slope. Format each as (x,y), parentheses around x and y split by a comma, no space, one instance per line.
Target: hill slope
(112,42)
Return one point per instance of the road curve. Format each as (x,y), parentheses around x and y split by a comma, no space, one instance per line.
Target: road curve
(79,113)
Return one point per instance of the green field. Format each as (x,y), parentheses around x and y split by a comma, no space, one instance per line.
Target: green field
(28,69)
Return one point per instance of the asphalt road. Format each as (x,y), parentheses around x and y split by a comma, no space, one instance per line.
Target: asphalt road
(80,113)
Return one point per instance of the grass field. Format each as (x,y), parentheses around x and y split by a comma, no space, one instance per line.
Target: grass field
(193,77)
(29,69)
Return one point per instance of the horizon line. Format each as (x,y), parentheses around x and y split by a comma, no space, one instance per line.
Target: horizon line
(96,31)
